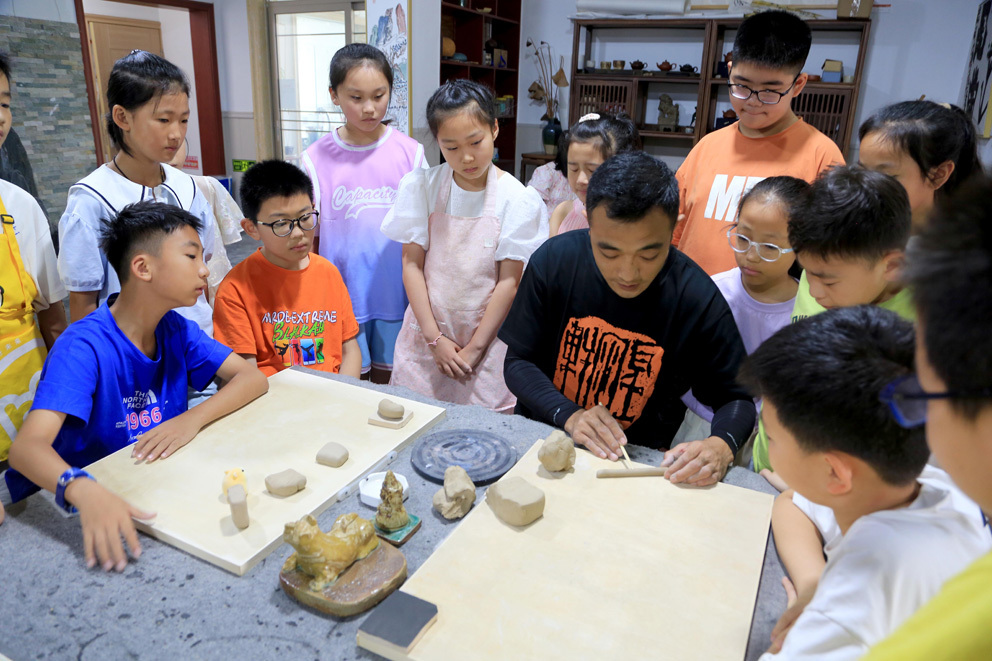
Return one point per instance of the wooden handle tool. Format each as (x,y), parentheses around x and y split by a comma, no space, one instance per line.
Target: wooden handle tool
(632,472)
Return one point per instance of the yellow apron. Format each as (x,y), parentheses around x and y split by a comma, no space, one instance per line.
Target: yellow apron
(22,349)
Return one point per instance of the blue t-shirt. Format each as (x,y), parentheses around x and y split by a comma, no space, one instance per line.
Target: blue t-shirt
(111,392)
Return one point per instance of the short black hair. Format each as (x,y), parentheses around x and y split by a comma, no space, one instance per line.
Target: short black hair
(775,39)
(630,184)
(949,270)
(136,79)
(141,226)
(461,95)
(613,133)
(852,213)
(358,55)
(5,65)
(823,374)
(929,133)
(272,178)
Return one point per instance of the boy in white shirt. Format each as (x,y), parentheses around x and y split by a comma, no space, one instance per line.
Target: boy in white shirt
(892,536)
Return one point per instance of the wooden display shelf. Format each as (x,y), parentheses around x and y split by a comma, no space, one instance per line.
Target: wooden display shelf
(469,10)
(647,78)
(671,135)
(475,65)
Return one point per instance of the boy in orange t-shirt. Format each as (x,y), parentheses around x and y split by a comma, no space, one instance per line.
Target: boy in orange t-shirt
(284,305)
(769,140)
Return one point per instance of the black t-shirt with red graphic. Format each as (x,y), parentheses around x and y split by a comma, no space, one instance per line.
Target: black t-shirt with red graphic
(574,343)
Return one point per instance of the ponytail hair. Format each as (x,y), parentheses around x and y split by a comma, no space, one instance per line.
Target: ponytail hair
(136,79)
(929,133)
(615,134)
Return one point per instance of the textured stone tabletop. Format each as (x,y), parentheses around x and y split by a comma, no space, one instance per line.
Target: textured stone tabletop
(171,605)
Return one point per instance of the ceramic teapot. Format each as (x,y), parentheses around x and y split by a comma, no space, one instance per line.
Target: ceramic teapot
(637,65)
(688,68)
(664,66)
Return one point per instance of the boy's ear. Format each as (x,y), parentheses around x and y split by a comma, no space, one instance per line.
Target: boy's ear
(939,175)
(800,84)
(841,473)
(120,117)
(250,228)
(141,267)
(893,262)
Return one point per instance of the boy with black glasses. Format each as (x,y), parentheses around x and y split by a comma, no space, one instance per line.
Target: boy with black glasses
(285,306)
(893,528)
(769,140)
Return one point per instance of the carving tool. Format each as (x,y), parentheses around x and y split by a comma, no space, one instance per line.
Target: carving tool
(625,458)
(631,472)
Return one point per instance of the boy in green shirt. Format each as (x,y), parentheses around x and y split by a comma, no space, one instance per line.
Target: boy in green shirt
(851,241)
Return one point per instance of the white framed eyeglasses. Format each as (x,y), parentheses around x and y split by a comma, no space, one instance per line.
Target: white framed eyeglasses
(767,252)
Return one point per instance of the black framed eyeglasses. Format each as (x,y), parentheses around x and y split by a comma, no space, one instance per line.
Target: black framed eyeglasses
(284,227)
(907,401)
(767,97)
(767,252)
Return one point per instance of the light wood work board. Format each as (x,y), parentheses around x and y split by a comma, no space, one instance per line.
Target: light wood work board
(282,429)
(632,568)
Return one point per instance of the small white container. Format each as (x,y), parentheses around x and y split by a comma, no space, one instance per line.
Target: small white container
(371,485)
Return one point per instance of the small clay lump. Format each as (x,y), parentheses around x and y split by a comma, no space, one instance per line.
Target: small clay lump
(390,410)
(333,455)
(516,501)
(455,499)
(558,452)
(285,483)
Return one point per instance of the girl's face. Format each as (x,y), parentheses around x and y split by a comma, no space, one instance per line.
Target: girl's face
(763,220)
(363,97)
(467,145)
(156,130)
(879,154)
(583,159)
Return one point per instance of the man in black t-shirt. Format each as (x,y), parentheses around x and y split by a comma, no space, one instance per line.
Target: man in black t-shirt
(611,325)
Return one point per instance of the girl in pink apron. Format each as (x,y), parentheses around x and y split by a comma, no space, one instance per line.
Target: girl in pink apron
(587,144)
(467,230)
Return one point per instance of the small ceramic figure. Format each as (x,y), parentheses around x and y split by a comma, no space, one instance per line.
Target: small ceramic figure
(391,515)
(325,555)
(668,114)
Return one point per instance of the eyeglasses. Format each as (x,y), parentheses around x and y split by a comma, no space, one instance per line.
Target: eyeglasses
(285,227)
(767,97)
(907,401)
(767,252)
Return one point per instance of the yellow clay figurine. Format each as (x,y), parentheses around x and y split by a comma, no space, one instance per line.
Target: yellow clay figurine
(232,477)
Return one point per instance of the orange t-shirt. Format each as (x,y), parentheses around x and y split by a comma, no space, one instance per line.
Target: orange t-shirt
(285,318)
(725,165)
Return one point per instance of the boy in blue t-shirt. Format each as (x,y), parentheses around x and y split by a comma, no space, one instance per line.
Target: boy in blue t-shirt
(120,376)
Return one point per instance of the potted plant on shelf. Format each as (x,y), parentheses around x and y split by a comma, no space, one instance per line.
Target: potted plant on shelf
(545,89)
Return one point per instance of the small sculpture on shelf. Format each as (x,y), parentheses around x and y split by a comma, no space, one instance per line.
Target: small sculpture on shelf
(723,68)
(688,69)
(323,556)
(668,114)
(637,65)
(664,66)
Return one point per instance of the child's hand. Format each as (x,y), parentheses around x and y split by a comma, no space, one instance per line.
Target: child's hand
(105,517)
(471,355)
(773,479)
(166,438)
(446,355)
(795,605)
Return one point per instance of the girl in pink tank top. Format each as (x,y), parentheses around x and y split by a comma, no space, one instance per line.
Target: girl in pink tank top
(595,138)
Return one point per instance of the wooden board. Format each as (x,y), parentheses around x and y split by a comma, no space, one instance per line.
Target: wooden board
(615,569)
(282,429)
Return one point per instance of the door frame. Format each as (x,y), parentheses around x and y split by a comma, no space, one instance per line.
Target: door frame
(205,76)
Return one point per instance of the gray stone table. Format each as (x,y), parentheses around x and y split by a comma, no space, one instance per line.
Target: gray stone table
(170,605)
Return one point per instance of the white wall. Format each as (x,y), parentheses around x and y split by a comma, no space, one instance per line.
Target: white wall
(425,68)
(916,47)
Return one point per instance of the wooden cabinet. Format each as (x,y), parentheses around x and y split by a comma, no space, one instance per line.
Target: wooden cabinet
(830,107)
(470,26)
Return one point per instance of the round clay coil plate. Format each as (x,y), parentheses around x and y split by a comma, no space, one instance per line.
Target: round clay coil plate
(484,455)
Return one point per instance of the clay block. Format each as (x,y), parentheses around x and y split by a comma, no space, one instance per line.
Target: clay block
(332,454)
(455,499)
(516,501)
(238,500)
(390,410)
(285,483)
(558,452)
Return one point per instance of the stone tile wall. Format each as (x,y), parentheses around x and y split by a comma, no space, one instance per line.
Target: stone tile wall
(50,107)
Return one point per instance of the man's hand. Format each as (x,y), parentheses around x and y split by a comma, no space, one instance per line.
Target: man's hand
(598,431)
(698,463)
(166,438)
(448,359)
(105,518)
(795,605)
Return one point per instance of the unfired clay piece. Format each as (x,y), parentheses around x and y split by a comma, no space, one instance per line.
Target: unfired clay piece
(391,515)
(516,501)
(455,499)
(325,555)
(285,483)
(238,500)
(390,410)
(332,454)
(558,452)
(232,477)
